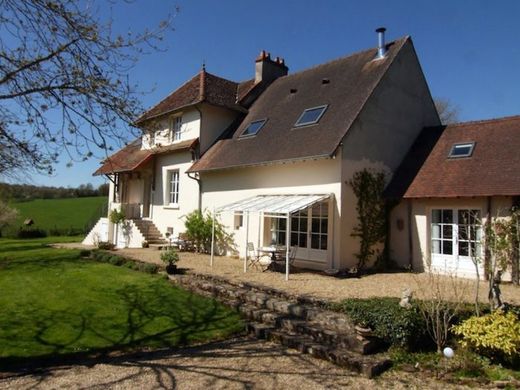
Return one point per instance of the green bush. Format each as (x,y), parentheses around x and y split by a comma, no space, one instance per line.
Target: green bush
(390,322)
(84,252)
(199,230)
(150,268)
(116,260)
(170,255)
(493,335)
(31,233)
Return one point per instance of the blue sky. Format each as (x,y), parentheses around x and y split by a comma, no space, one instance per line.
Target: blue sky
(469,50)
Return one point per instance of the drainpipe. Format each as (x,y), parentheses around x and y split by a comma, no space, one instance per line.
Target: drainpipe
(199,182)
(487,253)
(410,237)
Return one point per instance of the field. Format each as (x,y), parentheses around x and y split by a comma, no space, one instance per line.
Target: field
(64,215)
(55,303)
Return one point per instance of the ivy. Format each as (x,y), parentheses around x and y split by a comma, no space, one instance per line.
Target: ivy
(371,229)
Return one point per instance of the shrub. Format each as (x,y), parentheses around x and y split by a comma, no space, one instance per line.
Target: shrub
(170,256)
(31,233)
(199,230)
(389,321)
(105,245)
(493,335)
(150,268)
(116,260)
(85,252)
(116,216)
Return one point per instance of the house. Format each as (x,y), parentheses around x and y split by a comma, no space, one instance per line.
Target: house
(282,145)
(453,180)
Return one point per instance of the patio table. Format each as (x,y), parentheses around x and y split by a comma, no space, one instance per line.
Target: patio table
(274,251)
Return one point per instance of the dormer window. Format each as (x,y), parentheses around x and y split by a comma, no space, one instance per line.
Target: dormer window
(462,150)
(310,116)
(253,128)
(176,129)
(152,138)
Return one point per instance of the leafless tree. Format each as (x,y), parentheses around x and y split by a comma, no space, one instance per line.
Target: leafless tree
(61,59)
(448,112)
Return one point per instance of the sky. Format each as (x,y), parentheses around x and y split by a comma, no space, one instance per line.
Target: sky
(469,50)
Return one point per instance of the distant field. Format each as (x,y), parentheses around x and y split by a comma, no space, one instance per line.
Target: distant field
(61,214)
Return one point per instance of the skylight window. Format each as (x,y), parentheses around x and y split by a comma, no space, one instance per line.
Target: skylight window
(462,150)
(253,128)
(310,116)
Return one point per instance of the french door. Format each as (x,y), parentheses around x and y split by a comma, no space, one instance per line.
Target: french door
(310,232)
(456,236)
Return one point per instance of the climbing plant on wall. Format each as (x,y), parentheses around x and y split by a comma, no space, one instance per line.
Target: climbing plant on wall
(371,229)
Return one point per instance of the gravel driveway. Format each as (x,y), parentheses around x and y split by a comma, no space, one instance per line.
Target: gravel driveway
(234,364)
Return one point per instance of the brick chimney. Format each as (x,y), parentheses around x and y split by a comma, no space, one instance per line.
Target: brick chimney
(268,70)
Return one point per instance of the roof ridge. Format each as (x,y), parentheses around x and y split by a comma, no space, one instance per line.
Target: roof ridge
(313,67)
(479,121)
(166,97)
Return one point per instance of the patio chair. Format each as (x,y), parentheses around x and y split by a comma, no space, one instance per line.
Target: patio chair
(252,256)
(280,260)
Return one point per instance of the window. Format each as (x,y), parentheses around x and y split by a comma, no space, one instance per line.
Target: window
(456,232)
(310,116)
(278,231)
(152,138)
(239,220)
(253,128)
(462,150)
(175,129)
(319,225)
(299,228)
(173,187)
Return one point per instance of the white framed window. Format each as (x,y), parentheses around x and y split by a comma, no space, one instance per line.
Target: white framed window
(176,129)
(152,139)
(239,220)
(462,150)
(253,128)
(278,231)
(456,232)
(173,187)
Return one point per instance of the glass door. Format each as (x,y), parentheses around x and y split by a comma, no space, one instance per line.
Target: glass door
(310,232)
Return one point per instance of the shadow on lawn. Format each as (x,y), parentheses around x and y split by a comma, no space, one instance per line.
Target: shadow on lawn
(66,337)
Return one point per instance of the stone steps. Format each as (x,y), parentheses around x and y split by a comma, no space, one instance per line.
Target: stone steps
(150,232)
(295,322)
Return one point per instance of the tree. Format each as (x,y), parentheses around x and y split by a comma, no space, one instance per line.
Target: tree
(448,112)
(59,59)
(8,215)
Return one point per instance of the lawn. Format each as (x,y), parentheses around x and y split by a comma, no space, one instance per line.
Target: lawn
(62,214)
(52,302)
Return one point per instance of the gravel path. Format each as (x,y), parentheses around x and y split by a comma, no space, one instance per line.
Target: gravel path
(320,285)
(234,364)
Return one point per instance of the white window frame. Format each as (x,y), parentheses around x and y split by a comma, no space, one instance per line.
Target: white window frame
(238,220)
(262,121)
(470,145)
(151,140)
(176,128)
(172,187)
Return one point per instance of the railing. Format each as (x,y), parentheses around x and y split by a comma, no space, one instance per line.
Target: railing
(131,210)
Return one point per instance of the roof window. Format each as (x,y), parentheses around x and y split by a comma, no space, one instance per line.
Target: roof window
(310,116)
(462,150)
(253,128)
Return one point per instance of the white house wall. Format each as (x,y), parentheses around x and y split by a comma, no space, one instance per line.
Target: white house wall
(419,242)
(190,128)
(163,215)
(214,121)
(389,123)
(308,177)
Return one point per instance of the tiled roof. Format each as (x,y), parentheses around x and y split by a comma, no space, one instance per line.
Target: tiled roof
(203,87)
(344,85)
(132,157)
(492,169)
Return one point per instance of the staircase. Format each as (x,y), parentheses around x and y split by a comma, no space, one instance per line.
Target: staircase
(299,323)
(150,232)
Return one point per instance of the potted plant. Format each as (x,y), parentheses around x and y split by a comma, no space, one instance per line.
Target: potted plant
(170,257)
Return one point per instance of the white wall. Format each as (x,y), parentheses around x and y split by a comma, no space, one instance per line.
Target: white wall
(308,177)
(384,131)
(214,121)
(162,214)
(190,128)
(421,228)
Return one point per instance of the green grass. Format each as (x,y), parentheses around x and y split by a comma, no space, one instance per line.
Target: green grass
(60,214)
(54,303)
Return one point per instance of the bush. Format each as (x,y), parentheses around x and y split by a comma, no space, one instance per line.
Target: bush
(105,245)
(31,233)
(116,260)
(85,252)
(199,230)
(493,335)
(389,321)
(150,268)
(170,256)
